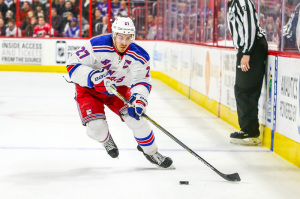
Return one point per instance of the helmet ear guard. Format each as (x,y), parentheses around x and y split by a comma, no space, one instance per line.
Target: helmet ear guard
(123,25)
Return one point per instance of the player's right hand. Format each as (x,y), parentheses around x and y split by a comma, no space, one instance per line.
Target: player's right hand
(102,82)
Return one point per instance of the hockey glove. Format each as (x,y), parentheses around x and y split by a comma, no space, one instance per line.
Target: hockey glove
(102,82)
(139,104)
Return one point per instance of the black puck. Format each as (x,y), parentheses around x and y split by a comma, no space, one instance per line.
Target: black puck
(184,182)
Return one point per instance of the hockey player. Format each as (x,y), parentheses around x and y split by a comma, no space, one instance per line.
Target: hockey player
(113,59)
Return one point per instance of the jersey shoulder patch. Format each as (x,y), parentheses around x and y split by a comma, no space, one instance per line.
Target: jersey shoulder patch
(102,43)
(138,53)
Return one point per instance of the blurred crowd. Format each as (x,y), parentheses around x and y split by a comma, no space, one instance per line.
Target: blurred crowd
(34,18)
(204,21)
(192,21)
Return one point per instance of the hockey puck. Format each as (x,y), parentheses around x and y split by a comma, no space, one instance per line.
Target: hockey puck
(184,182)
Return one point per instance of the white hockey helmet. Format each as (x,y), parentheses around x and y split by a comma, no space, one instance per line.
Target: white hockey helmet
(123,25)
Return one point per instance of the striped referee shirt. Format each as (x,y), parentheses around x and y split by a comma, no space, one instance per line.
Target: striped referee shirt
(243,24)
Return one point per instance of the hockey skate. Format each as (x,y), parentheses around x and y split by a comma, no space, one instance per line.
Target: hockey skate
(111,147)
(158,159)
(243,138)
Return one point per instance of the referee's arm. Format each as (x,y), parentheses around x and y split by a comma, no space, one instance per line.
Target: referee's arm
(249,24)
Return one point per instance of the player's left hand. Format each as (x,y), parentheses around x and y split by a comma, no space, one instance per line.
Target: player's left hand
(138,107)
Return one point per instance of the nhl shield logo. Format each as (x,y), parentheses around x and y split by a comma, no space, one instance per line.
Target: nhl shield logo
(61,52)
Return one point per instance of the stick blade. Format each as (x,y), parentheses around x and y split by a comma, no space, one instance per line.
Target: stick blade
(235,177)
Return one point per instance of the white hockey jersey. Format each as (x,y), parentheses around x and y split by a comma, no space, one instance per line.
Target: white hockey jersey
(132,69)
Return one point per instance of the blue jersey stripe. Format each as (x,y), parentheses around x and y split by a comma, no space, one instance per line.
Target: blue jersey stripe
(139,51)
(73,69)
(135,58)
(102,40)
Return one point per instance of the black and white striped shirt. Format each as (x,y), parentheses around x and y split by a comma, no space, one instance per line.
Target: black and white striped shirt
(243,24)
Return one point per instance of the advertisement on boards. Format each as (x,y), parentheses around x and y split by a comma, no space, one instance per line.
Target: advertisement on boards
(287,111)
(27,52)
(228,64)
(199,77)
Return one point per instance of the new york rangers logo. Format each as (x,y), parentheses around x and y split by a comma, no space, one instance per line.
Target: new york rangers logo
(126,64)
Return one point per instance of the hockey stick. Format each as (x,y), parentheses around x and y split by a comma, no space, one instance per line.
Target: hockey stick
(230,177)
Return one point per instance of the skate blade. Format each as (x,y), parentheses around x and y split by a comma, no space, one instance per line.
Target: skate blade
(246,141)
(172,167)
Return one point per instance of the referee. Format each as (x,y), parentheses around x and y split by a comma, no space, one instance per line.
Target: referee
(249,38)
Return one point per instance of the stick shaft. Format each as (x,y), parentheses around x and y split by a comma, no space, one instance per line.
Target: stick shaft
(178,141)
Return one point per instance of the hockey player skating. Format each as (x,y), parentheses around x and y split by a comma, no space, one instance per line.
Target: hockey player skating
(114,59)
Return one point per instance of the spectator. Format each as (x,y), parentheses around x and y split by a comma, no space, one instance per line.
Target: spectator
(103,7)
(151,27)
(270,33)
(160,28)
(23,12)
(115,7)
(8,16)
(123,9)
(11,5)
(102,27)
(150,21)
(30,14)
(83,20)
(221,25)
(41,14)
(11,30)
(291,36)
(73,30)
(39,10)
(2,28)
(42,29)
(68,8)
(209,29)
(85,10)
(75,4)
(191,30)
(67,22)
(60,7)
(8,2)
(3,8)
(36,3)
(97,20)
(56,21)
(180,28)
(28,32)
(85,31)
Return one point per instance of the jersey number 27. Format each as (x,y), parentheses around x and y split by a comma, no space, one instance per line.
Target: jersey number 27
(82,53)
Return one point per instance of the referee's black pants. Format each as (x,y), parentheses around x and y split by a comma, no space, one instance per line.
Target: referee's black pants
(248,86)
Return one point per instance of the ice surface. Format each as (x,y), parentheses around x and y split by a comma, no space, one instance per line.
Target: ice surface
(46,154)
